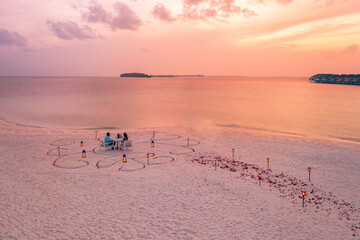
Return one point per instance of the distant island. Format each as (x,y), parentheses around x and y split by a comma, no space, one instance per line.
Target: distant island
(143,75)
(135,75)
(347,79)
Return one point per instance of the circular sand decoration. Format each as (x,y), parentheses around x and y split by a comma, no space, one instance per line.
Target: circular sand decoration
(131,167)
(62,142)
(165,137)
(109,161)
(70,161)
(158,160)
(141,157)
(54,152)
(192,142)
(185,151)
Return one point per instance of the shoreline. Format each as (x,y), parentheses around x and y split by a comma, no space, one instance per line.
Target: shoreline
(348,140)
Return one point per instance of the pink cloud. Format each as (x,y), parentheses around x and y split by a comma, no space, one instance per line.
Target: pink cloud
(123,17)
(210,13)
(9,38)
(204,9)
(71,30)
(96,13)
(162,13)
(226,6)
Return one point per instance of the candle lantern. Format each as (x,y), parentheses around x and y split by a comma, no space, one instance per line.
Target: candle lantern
(309,169)
(124,158)
(152,143)
(259,179)
(147,156)
(215,162)
(268,161)
(188,142)
(84,154)
(81,143)
(96,135)
(303,194)
(58,148)
(233,152)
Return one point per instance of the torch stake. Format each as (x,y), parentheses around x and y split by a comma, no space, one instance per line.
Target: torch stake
(303,201)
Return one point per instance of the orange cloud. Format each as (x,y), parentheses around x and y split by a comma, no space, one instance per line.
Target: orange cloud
(352,49)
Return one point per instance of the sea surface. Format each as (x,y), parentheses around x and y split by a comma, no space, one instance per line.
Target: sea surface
(282,105)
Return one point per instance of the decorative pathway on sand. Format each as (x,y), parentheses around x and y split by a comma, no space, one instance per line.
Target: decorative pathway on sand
(288,187)
(69,155)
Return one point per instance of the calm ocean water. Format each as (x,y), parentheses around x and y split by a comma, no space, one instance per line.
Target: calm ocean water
(285,105)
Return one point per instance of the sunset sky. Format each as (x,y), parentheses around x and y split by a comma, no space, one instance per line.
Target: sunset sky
(210,37)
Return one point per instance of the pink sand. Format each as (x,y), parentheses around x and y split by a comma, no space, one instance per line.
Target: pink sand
(180,199)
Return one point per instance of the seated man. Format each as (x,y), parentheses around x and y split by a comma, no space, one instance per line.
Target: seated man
(108,140)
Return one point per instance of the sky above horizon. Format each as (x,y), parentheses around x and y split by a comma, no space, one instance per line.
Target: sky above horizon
(210,37)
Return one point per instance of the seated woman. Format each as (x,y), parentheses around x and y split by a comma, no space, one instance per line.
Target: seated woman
(108,140)
(125,137)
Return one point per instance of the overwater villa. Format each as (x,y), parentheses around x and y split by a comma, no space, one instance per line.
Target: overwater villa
(347,79)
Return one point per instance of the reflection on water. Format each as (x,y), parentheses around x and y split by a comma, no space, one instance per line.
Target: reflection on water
(291,105)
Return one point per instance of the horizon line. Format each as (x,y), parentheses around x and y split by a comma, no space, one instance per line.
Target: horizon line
(180,75)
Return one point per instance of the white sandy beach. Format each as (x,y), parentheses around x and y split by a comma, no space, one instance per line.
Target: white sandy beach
(179,195)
